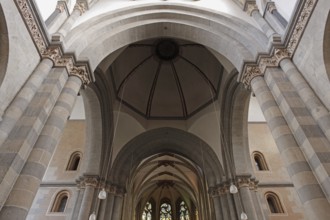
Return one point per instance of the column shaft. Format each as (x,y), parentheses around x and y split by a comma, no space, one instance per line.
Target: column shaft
(67,25)
(266,28)
(31,175)
(217,208)
(86,204)
(313,103)
(23,98)
(117,209)
(248,203)
(308,189)
(16,149)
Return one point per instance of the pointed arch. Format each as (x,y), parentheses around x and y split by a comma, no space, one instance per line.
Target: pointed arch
(4,47)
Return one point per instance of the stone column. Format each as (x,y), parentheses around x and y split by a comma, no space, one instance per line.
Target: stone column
(246,185)
(313,103)
(217,207)
(252,10)
(309,191)
(56,19)
(89,184)
(106,207)
(78,10)
(273,10)
(117,209)
(24,190)
(23,98)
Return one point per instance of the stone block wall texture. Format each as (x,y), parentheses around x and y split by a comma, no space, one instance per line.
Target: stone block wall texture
(57,178)
(276,179)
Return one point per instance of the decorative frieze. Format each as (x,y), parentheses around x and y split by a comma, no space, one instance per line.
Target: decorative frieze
(95,182)
(252,70)
(53,52)
(240,182)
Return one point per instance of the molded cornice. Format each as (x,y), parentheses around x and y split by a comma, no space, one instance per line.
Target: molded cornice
(54,52)
(251,70)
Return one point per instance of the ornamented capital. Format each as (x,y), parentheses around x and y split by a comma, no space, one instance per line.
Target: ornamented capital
(85,181)
(274,59)
(249,73)
(247,181)
(271,7)
(251,7)
(81,7)
(55,54)
(61,6)
(80,72)
(219,190)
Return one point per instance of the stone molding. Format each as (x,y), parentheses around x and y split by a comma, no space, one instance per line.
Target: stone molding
(271,7)
(250,7)
(240,182)
(61,6)
(95,182)
(53,52)
(273,60)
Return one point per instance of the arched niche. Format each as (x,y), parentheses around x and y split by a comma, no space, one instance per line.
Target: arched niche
(168,140)
(4,48)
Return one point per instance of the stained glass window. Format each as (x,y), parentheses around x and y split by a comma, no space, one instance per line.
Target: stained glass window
(146,215)
(165,211)
(184,213)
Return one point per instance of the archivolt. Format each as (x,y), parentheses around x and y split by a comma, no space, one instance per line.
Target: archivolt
(235,39)
(167,140)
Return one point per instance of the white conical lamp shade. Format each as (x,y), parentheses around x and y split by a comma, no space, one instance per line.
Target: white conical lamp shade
(102,194)
(92,216)
(244,216)
(233,189)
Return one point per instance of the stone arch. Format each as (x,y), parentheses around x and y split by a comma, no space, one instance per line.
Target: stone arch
(4,48)
(234,119)
(326,46)
(94,130)
(235,39)
(168,140)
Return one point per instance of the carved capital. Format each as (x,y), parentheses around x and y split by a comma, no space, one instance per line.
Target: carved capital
(251,7)
(115,190)
(61,6)
(249,73)
(80,72)
(219,190)
(271,7)
(81,7)
(247,181)
(85,181)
